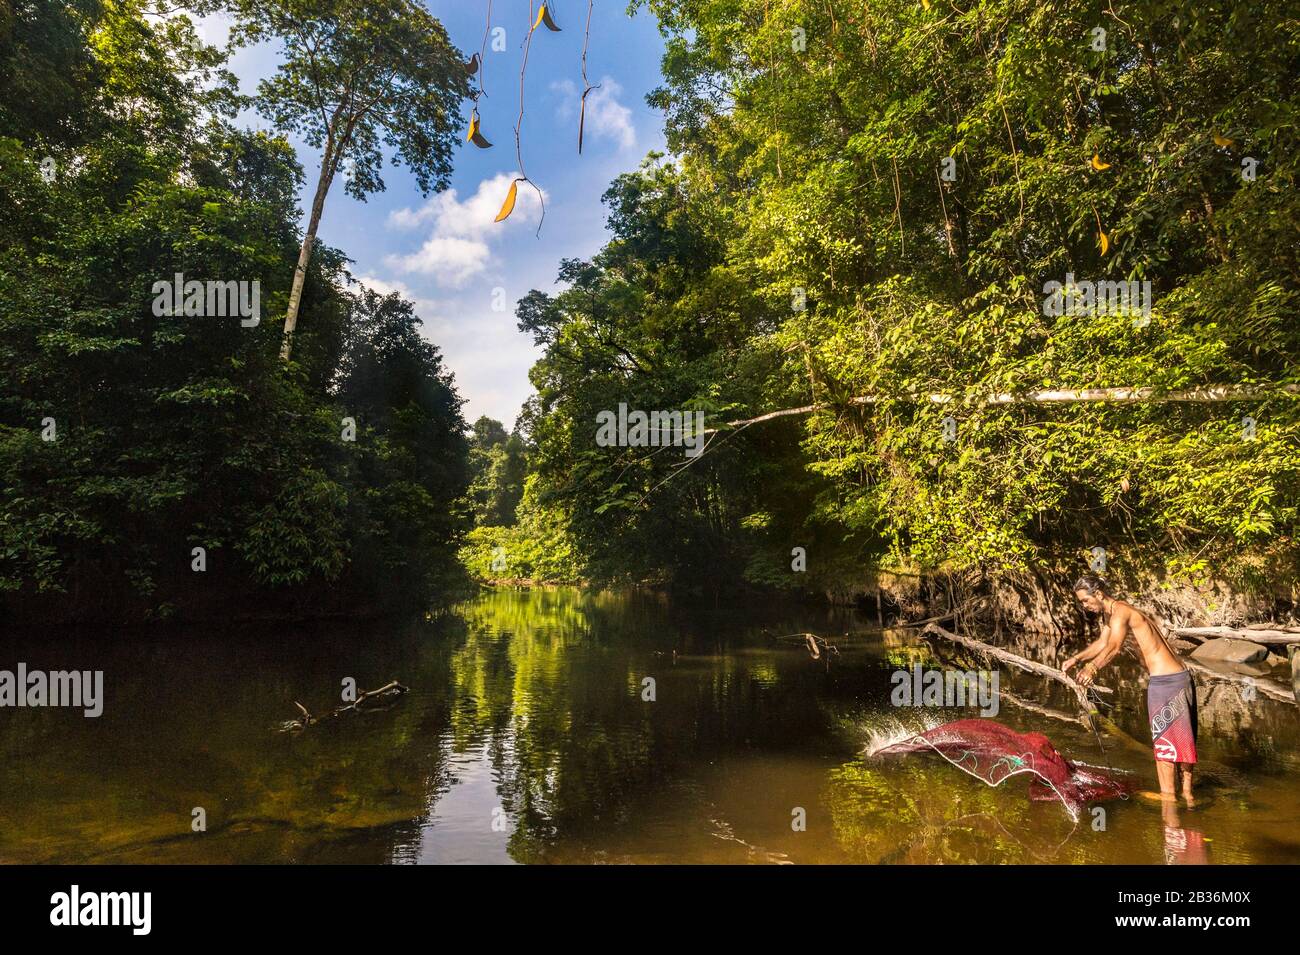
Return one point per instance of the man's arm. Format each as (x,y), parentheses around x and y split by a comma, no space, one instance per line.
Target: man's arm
(1112,644)
(1090,651)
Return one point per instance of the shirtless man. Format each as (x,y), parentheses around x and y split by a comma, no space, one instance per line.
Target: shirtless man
(1171,695)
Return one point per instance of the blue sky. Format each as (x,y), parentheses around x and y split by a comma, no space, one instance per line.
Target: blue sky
(444,252)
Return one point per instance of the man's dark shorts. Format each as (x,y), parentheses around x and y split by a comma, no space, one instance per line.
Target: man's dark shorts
(1171,708)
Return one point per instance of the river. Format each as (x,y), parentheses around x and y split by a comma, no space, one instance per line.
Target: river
(531,735)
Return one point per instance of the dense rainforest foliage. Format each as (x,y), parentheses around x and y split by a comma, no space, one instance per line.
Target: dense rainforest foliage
(154,463)
(515,537)
(854,237)
(864,206)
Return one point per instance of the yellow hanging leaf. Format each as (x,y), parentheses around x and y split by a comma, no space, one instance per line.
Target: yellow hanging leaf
(1105,242)
(1097,164)
(508,206)
(926,4)
(476,137)
(544,16)
(1223,142)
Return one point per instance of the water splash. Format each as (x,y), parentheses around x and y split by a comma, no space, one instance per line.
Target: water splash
(891,730)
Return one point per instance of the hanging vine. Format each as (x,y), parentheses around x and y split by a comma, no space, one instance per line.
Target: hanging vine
(474,68)
(586,84)
(507,207)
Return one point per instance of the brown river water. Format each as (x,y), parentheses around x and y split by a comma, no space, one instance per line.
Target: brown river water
(526,737)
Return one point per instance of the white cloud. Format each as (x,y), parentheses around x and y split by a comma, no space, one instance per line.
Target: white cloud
(451,261)
(489,356)
(458,248)
(605,116)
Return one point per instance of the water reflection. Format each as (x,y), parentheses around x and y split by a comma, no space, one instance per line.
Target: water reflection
(528,737)
(1182,846)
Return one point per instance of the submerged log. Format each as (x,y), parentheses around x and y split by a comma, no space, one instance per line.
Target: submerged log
(368,700)
(1032,707)
(1090,717)
(386,693)
(815,644)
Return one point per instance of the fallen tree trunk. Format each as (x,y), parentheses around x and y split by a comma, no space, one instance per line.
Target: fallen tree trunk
(1114,730)
(1274,691)
(1089,717)
(387,691)
(1203,394)
(1206,393)
(1270,689)
(1014,659)
(1279,637)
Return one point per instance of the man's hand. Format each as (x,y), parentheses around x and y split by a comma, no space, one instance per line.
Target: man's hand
(1086,675)
(1065,667)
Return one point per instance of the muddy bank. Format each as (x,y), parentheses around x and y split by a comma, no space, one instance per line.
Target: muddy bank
(1044,602)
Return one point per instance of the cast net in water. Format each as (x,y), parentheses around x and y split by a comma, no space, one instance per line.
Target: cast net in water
(995,753)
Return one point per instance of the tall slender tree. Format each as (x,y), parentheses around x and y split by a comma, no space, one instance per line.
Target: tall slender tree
(357,77)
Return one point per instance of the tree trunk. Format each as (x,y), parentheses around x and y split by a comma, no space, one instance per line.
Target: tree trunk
(304,254)
(1204,394)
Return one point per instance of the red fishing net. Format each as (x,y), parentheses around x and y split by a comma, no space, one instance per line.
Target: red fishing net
(994,753)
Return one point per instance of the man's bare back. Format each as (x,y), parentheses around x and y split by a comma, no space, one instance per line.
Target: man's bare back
(1124,618)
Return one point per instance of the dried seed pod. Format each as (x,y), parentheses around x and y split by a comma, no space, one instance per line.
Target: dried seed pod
(474,136)
(582,115)
(544,16)
(508,206)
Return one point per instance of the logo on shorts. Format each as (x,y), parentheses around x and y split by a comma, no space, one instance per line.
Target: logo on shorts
(1167,714)
(1166,750)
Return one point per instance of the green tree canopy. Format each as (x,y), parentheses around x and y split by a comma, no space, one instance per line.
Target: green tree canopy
(356,78)
(866,205)
(130,436)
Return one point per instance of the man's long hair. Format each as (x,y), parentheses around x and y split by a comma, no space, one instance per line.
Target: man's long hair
(1092,584)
